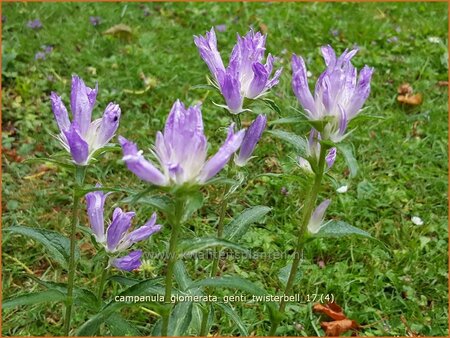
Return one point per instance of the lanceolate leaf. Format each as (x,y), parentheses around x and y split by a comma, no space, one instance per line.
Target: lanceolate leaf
(234,317)
(230,282)
(239,226)
(341,229)
(60,163)
(350,159)
(234,282)
(82,297)
(34,298)
(180,319)
(298,142)
(119,326)
(194,245)
(288,120)
(145,288)
(56,244)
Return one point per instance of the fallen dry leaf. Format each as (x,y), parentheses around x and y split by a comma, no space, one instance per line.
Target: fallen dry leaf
(341,323)
(339,327)
(332,310)
(405,89)
(412,100)
(406,95)
(443,83)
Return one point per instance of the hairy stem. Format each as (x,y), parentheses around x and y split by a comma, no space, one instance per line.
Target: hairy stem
(307,212)
(80,172)
(179,210)
(101,285)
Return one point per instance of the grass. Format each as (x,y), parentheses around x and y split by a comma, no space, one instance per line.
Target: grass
(399,288)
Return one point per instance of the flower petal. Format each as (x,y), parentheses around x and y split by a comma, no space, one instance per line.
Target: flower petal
(300,85)
(329,55)
(316,220)
(362,91)
(140,233)
(221,158)
(331,157)
(258,83)
(136,163)
(230,88)
(207,47)
(82,101)
(130,262)
(79,149)
(120,223)
(60,112)
(108,125)
(95,202)
(251,138)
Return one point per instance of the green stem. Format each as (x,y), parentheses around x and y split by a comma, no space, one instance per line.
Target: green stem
(308,210)
(179,209)
(217,251)
(203,326)
(79,179)
(101,286)
(237,120)
(223,209)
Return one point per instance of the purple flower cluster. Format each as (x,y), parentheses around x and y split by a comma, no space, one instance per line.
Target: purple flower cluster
(117,237)
(41,55)
(246,76)
(181,150)
(34,24)
(339,93)
(82,137)
(95,20)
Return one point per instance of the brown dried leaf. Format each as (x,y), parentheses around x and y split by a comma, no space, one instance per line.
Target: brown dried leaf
(339,327)
(405,89)
(412,100)
(332,310)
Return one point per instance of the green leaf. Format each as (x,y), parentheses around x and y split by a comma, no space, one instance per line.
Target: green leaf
(63,164)
(221,180)
(340,229)
(350,159)
(109,148)
(119,326)
(124,280)
(181,275)
(288,120)
(162,203)
(34,298)
(235,318)
(145,288)
(190,246)
(80,192)
(272,105)
(234,282)
(239,226)
(180,319)
(56,244)
(298,142)
(194,201)
(81,296)
(230,282)
(283,275)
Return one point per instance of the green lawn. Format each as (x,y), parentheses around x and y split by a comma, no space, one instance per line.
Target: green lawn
(395,288)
